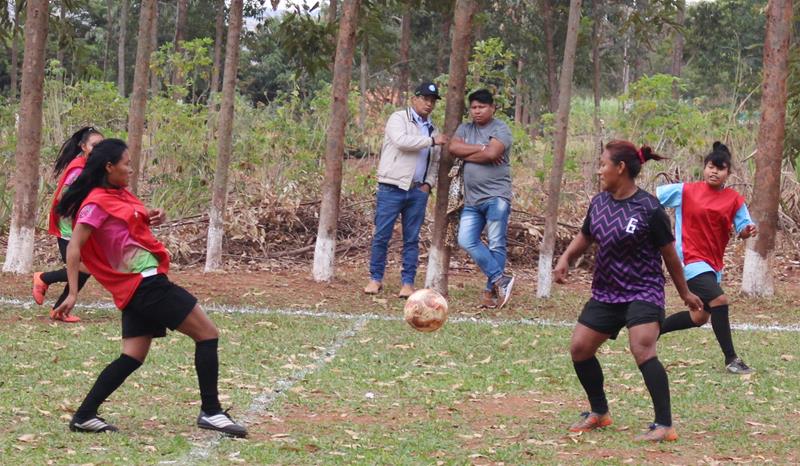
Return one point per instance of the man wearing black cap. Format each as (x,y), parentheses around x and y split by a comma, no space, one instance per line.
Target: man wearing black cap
(406,172)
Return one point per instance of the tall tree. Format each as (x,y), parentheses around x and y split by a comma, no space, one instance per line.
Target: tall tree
(325,248)
(139,94)
(550,54)
(677,45)
(62,33)
(122,41)
(547,248)
(219,31)
(439,252)
(519,92)
(405,47)
(332,11)
(597,37)
(219,200)
(181,13)
(760,252)
(362,82)
(19,255)
(109,20)
(14,49)
(153,47)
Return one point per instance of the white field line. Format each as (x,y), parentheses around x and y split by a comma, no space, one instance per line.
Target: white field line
(747,327)
(265,400)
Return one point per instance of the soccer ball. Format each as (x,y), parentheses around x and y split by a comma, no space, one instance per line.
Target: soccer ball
(426,310)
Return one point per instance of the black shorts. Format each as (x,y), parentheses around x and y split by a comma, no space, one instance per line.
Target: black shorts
(62,248)
(706,287)
(609,318)
(156,305)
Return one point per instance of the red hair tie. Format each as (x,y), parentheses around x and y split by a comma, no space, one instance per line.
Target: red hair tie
(640,155)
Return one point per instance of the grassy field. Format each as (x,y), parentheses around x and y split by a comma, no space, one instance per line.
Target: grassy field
(360,390)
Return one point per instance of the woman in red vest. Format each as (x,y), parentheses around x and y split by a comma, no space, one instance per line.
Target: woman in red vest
(69,165)
(112,237)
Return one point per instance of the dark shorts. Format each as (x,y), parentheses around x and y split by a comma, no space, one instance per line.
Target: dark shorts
(62,248)
(156,305)
(609,318)
(706,288)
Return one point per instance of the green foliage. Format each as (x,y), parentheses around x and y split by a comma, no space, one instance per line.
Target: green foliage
(791,149)
(655,117)
(193,62)
(307,39)
(490,68)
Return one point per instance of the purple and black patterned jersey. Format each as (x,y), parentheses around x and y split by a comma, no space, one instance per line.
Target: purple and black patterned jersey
(629,234)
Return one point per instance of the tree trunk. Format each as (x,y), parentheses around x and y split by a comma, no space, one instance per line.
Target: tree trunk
(550,54)
(219,30)
(677,47)
(325,248)
(139,93)
(62,37)
(14,51)
(109,19)
(518,93)
(405,46)
(590,163)
(123,37)
(441,59)
(154,84)
(332,11)
(362,84)
(19,255)
(178,79)
(760,252)
(439,252)
(626,59)
(547,248)
(216,213)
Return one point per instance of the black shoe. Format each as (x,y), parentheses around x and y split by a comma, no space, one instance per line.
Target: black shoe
(93,425)
(503,287)
(737,366)
(221,422)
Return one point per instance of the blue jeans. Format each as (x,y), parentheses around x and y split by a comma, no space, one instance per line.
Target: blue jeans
(492,214)
(410,205)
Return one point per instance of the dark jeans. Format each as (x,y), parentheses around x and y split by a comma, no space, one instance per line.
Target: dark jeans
(410,205)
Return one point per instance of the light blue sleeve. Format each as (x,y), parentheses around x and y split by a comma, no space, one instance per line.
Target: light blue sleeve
(670,195)
(742,218)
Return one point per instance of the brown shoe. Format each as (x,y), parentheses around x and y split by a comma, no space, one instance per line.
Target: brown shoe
(405,291)
(591,421)
(488,299)
(658,433)
(373,287)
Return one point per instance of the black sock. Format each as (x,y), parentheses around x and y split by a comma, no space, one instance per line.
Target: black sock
(108,381)
(655,377)
(678,321)
(206,363)
(722,329)
(591,376)
(56,276)
(82,277)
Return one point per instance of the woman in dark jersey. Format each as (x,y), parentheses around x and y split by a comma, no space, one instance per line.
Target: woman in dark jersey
(69,164)
(112,237)
(633,233)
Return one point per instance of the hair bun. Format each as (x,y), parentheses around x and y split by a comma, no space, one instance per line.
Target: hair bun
(647,153)
(720,147)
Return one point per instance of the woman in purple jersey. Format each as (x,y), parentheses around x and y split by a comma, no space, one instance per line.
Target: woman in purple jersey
(633,233)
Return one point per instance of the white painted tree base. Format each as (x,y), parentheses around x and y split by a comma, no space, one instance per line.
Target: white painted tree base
(433,276)
(19,255)
(216,233)
(324,257)
(757,273)
(545,282)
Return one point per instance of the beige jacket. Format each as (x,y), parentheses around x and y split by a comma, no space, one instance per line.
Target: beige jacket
(402,143)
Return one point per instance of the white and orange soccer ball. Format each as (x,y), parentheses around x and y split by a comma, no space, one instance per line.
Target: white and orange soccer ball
(426,310)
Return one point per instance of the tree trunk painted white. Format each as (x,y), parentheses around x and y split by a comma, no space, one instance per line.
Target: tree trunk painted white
(439,252)
(325,248)
(547,248)
(219,199)
(19,255)
(760,253)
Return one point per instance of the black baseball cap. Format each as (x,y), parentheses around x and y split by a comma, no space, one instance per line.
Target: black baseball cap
(427,88)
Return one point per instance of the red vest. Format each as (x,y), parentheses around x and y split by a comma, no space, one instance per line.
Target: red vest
(121,204)
(77,162)
(707,218)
